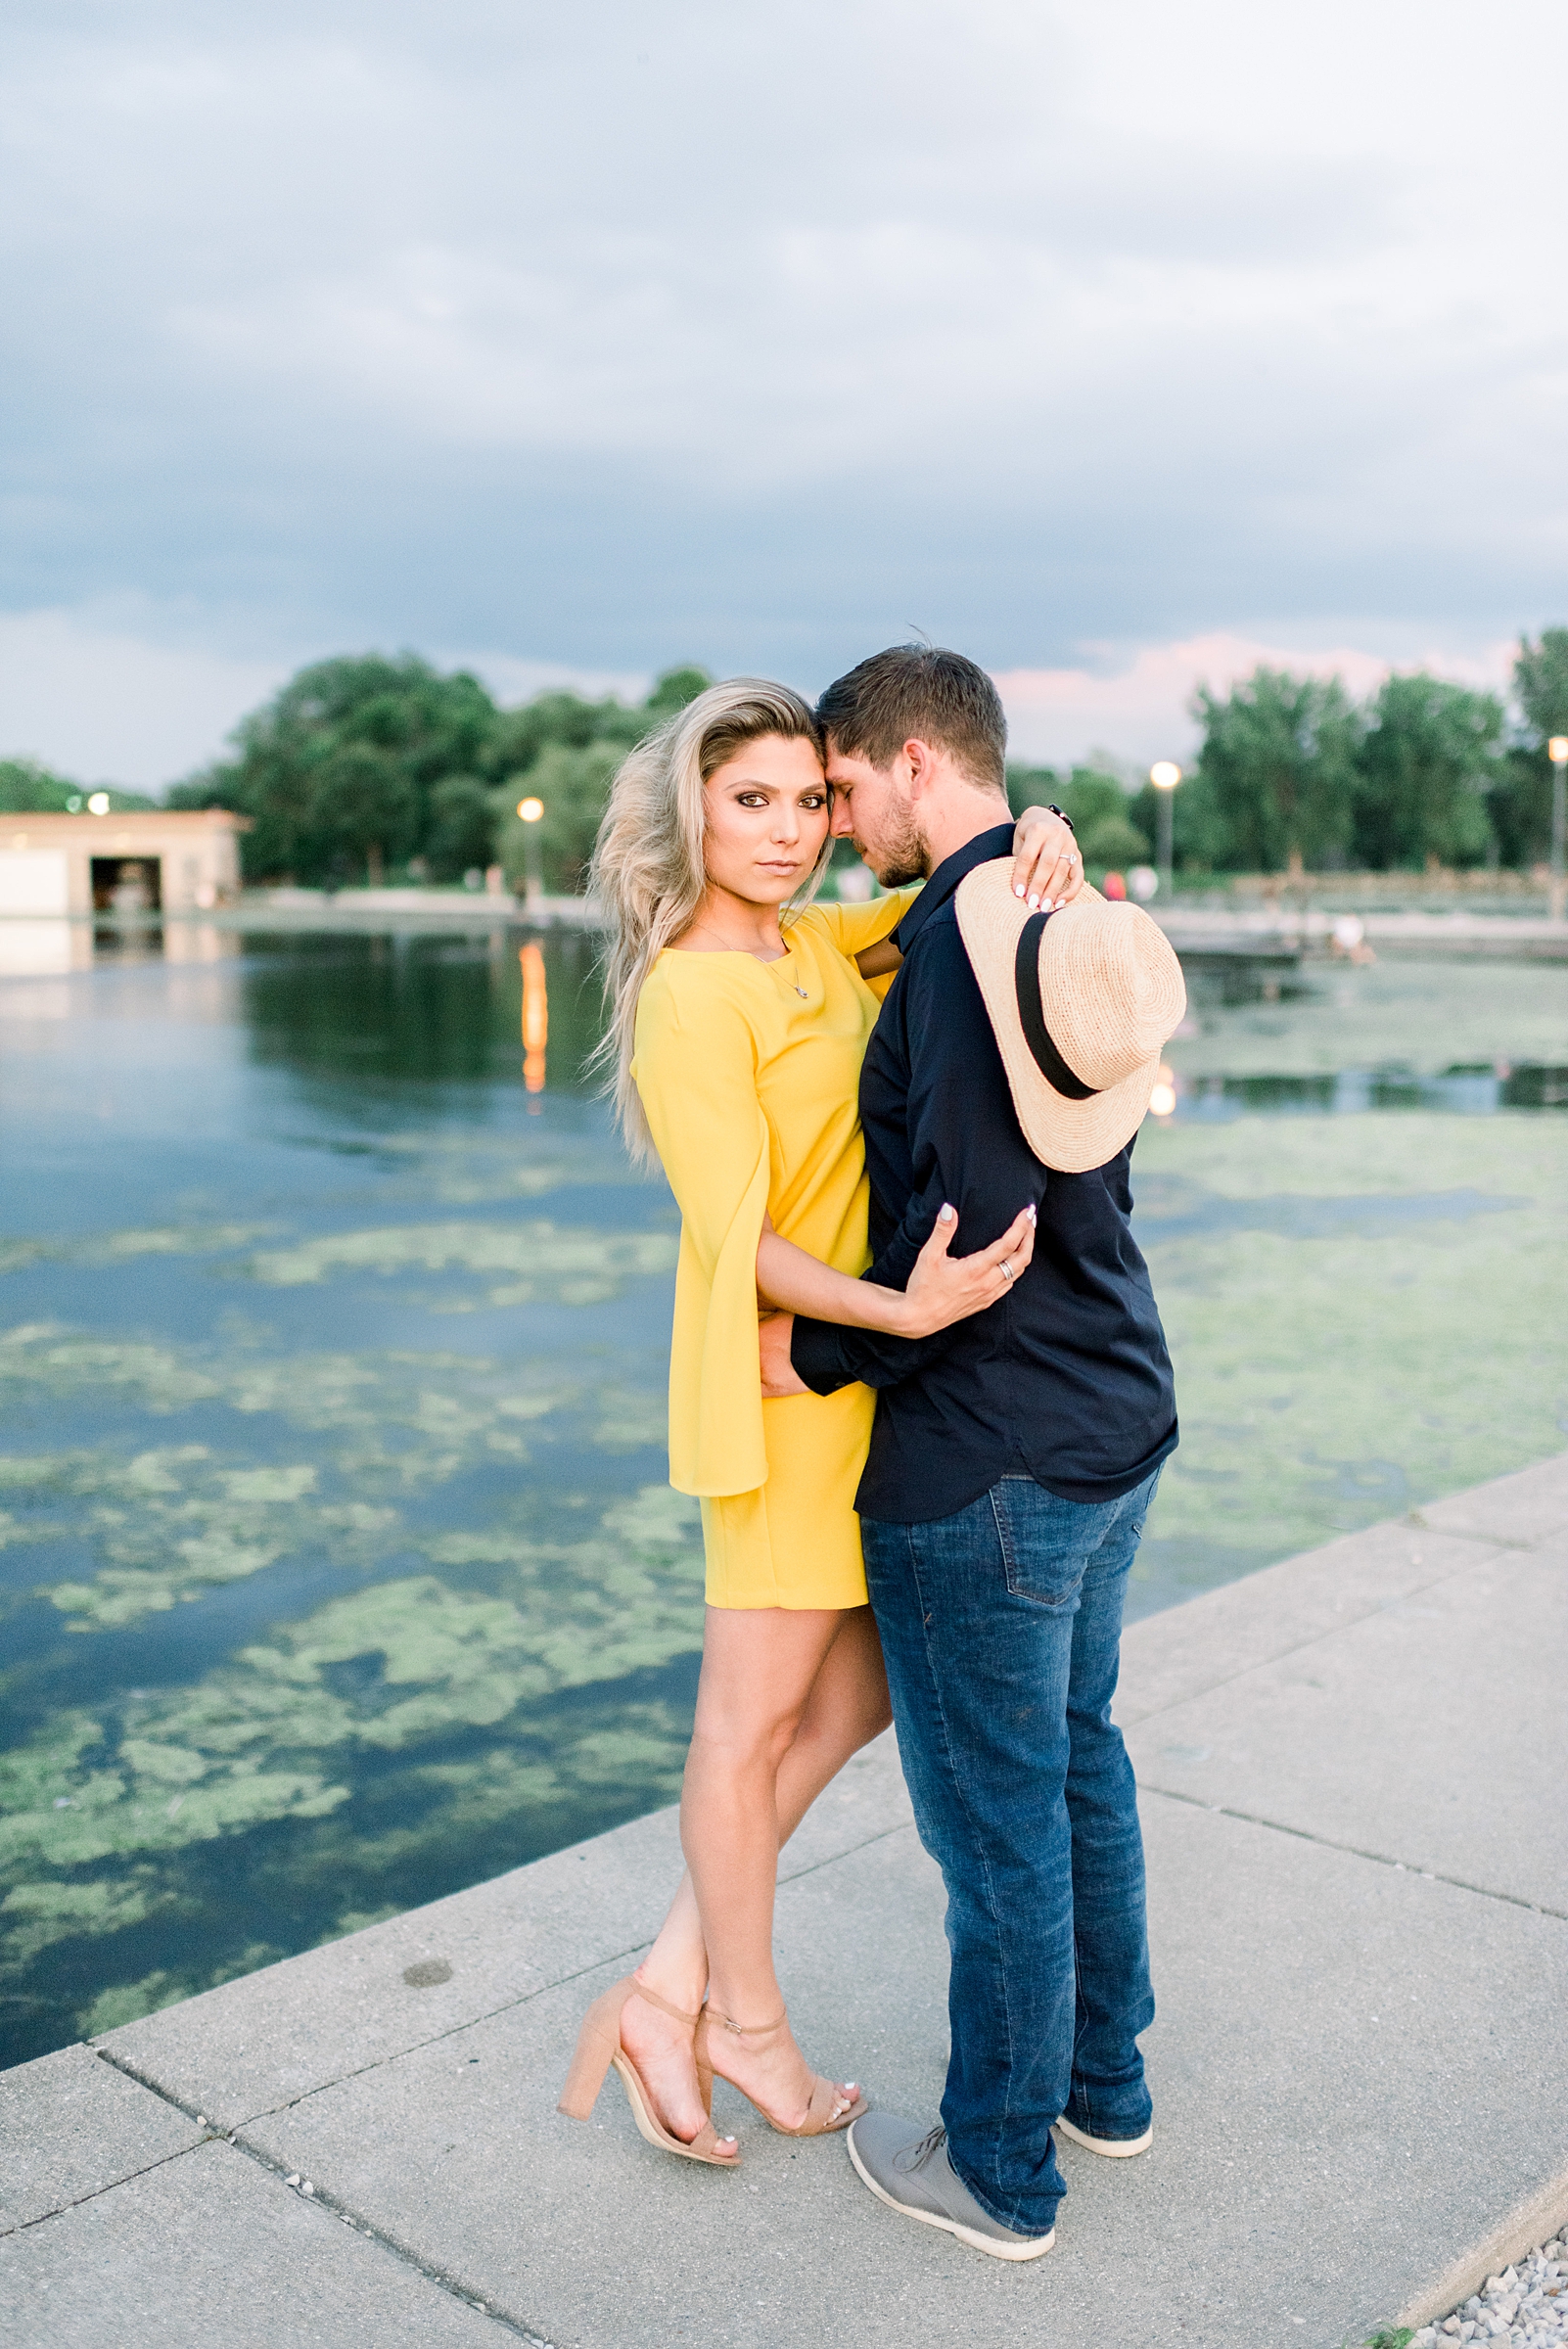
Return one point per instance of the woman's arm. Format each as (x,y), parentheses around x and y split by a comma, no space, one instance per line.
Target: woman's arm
(1047,870)
(942,1289)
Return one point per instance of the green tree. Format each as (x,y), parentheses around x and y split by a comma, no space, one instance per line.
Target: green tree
(1034,787)
(363,763)
(573,785)
(673,689)
(1201,839)
(565,750)
(1520,808)
(28,789)
(337,771)
(1431,753)
(461,830)
(1521,801)
(564,720)
(1101,811)
(1540,684)
(1279,762)
(1097,805)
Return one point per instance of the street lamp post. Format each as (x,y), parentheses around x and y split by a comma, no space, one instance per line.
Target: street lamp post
(1165,775)
(1557,753)
(530,810)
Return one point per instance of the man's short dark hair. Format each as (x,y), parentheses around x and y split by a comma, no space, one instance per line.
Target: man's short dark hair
(919,692)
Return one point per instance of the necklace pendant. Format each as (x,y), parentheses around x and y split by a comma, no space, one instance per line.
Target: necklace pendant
(801,991)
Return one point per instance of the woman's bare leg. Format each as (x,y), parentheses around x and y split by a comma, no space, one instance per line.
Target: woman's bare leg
(747,1794)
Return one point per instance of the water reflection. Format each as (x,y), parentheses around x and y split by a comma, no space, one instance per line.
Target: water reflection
(42,948)
(1457,1091)
(535,1016)
(420,1008)
(337,1567)
(1228,980)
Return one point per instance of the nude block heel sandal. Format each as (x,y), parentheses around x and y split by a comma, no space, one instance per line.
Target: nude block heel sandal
(827,2112)
(599,2046)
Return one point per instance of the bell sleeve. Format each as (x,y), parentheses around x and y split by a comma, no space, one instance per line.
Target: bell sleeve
(696,1072)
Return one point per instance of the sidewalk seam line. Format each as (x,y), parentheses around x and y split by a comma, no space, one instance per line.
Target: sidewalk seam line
(1355,1851)
(76,2200)
(1332,1630)
(488,2015)
(471,2297)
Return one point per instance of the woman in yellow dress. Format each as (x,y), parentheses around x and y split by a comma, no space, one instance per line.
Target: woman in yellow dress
(737,1047)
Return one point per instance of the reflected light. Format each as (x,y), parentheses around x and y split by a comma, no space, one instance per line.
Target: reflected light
(98,803)
(30,950)
(1163,1099)
(530,810)
(535,1017)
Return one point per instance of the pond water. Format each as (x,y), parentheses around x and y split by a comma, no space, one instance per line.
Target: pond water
(338,1566)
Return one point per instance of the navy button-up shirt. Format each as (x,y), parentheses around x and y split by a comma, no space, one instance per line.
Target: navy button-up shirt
(1066,1379)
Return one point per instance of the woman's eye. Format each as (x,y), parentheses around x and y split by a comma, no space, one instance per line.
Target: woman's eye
(752,798)
(814,799)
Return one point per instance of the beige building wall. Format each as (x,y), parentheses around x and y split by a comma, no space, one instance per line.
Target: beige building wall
(189,861)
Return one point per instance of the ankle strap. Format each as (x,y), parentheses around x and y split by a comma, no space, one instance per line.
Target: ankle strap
(749,2030)
(640,1990)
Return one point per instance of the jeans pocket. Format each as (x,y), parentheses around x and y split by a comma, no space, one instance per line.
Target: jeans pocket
(1041,1559)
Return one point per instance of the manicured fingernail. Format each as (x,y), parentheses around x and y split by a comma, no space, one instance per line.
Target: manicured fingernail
(1032,1217)
(1034,904)
(945,1214)
(1018,889)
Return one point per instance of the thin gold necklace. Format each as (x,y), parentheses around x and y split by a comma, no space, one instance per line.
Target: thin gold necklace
(731,948)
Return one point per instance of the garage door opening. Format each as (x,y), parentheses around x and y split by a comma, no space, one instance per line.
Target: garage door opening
(127,885)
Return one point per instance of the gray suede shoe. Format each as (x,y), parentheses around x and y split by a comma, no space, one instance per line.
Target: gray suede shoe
(909,2169)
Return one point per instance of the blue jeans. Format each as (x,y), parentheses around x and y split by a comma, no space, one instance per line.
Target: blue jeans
(1001,1627)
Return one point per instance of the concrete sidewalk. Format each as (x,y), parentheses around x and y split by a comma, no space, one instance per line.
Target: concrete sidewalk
(1352,1794)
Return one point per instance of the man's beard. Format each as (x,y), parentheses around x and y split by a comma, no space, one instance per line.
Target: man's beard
(900,854)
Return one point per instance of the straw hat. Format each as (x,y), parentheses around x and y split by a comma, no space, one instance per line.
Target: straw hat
(1082,1001)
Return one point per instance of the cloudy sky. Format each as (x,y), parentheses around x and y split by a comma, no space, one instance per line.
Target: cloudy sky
(1116,343)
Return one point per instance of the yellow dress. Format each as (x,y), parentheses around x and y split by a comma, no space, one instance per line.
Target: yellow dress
(749,1075)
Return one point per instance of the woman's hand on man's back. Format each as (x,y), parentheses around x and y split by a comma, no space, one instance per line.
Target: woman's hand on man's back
(943,1289)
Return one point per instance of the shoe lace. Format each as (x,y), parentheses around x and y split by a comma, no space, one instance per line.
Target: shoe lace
(915,2157)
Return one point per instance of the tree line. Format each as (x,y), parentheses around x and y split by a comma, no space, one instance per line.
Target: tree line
(365,767)
(30,788)
(1293,774)
(368,768)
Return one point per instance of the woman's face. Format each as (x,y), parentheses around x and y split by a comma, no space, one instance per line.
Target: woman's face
(768,817)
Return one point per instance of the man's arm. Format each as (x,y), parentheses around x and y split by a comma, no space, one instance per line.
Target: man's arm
(966,1146)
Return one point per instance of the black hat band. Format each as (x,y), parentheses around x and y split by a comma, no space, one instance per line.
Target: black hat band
(1031,1012)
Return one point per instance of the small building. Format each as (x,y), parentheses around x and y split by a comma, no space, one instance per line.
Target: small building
(146,862)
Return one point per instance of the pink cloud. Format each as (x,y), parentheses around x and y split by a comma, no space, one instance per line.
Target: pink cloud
(1140,710)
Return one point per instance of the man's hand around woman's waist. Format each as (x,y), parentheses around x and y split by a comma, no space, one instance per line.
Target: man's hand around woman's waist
(942,1289)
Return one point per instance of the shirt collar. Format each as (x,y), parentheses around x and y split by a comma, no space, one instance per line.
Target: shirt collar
(983,849)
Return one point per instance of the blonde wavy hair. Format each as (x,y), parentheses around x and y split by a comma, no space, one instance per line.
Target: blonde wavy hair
(648,873)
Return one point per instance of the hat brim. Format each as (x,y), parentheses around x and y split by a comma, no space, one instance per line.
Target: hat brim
(1071,1138)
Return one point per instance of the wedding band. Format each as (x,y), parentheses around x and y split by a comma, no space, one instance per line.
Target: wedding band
(1005,1266)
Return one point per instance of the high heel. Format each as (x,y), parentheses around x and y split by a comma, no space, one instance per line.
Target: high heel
(826,2113)
(600,2045)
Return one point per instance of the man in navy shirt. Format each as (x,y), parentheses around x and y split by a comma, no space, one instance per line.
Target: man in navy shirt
(1012,1463)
